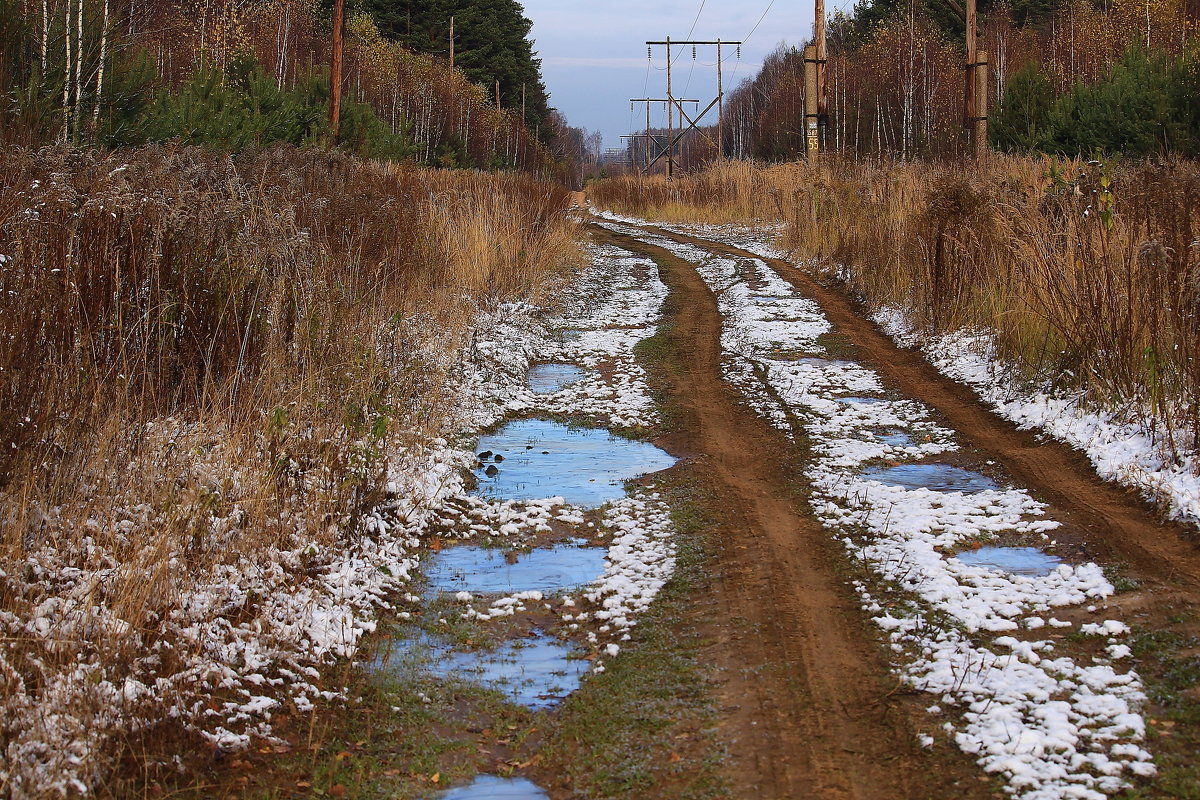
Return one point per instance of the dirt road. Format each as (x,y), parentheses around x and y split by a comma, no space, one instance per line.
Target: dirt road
(809,706)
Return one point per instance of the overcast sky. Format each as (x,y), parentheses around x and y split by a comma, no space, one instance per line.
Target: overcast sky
(594,53)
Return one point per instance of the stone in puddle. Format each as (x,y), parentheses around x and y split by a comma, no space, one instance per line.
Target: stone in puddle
(586,467)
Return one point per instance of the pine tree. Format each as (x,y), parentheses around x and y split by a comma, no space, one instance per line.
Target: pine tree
(1022,121)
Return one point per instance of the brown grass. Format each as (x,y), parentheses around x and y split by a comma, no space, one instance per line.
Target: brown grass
(206,362)
(1088,274)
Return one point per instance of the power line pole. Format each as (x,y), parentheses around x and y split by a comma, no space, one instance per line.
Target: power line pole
(335,71)
(670,117)
(651,138)
(822,81)
(451,41)
(674,103)
(720,107)
(970,108)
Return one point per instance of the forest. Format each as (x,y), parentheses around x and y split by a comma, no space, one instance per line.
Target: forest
(1072,77)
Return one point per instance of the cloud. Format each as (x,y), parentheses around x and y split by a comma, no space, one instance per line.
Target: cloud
(585,61)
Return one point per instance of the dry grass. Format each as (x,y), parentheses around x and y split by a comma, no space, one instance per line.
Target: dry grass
(206,367)
(1088,274)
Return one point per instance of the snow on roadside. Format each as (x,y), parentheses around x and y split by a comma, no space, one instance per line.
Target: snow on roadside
(1121,451)
(1052,726)
(254,636)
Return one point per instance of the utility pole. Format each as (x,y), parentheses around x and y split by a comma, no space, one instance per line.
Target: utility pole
(651,138)
(522,104)
(497,94)
(674,103)
(451,42)
(822,82)
(670,118)
(720,107)
(981,103)
(812,113)
(335,71)
(970,107)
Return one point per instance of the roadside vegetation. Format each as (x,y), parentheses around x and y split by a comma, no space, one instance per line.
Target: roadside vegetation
(1083,270)
(211,368)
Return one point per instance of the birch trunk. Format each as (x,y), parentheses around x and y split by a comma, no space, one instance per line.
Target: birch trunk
(78,66)
(100,69)
(66,103)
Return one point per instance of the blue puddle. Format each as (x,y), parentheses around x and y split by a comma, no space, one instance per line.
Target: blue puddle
(489,787)
(536,672)
(860,401)
(938,477)
(551,378)
(535,458)
(1013,560)
(468,568)
(895,438)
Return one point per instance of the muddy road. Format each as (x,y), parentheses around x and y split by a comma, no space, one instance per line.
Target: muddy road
(810,702)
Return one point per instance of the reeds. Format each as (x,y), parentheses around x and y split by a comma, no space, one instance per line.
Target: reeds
(206,361)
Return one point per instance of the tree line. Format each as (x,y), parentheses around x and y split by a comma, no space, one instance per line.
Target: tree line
(230,75)
(1066,76)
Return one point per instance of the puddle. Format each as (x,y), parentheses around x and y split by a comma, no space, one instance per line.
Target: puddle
(807,359)
(535,458)
(938,477)
(860,401)
(1013,560)
(895,438)
(488,570)
(536,672)
(489,787)
(551,378)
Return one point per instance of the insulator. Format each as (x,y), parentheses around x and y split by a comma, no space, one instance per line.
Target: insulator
(693,52)
(739,54)
(649,53)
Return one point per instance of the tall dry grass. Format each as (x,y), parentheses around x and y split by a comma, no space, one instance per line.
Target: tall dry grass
(1088,274)
(206,362)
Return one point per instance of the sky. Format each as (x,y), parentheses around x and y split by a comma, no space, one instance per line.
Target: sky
(594,52)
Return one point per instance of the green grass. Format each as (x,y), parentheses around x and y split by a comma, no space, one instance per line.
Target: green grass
(644,726)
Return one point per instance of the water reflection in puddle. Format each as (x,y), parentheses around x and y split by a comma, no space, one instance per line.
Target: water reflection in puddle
(860,401)
(489,787)
(488,570)
(536,672)
(1013,560)
(938,477)
(551,378)
(539,458)
(895,438)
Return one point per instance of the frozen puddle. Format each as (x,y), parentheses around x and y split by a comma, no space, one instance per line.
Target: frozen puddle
(551,378)
(536,672)
(489,787)
(937,477)
(1013,560)
(489,570)
(535,458)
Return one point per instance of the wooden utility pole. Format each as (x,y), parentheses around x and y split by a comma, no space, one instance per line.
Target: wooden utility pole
(980,131)
(670,118)
(720,107)
(497,94)
(812,112)
(335,71)
(522,104)
(650,138)
(969,106)
(452,43)
(822,82)
(674,103)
